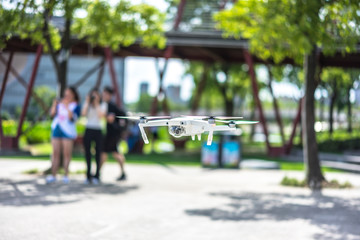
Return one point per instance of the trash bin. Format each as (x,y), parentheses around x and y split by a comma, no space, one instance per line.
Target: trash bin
(224,153)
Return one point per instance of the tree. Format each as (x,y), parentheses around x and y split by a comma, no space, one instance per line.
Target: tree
(338,84)
(104,25)
(200,74)
(231,81)
(218,79)
(297,29)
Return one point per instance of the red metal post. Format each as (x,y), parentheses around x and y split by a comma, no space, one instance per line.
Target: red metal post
(295,123)
(100,75)
(255,88)
(109,59)
(179,15)
(28,92)
(3,86)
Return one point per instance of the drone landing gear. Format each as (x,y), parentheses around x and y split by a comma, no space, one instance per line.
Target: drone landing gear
(143,134)
(210,137)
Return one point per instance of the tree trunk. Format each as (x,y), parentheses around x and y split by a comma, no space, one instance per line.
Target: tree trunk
(64,58)
(314,175)
(199,90)
(331,111)
(349,111)
(276,106)
(229,107)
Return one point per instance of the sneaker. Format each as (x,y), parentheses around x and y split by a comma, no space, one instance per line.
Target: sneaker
(65,180)
(95,181)
(122,177)
(50,179)
(87,182)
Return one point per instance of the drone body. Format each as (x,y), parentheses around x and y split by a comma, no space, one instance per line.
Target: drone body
(189,125)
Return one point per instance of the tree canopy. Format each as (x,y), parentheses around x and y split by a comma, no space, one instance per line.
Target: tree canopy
(59,24)
(290,28)
(103,24)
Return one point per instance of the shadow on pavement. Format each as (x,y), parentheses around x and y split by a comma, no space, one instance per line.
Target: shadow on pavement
(338,217)
(31,192)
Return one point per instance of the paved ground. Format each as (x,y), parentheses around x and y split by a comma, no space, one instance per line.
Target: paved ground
(162,202)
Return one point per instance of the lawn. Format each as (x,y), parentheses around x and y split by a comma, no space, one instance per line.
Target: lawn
(182,158)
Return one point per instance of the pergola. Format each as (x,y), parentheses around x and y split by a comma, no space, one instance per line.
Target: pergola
(207,46)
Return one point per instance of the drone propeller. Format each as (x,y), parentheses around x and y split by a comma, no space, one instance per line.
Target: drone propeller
(214,117)
(143,118)
(240,122)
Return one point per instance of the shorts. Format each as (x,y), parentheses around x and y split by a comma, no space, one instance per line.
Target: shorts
(111,143)
(59,133)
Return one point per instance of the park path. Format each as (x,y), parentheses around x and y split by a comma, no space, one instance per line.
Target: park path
(166,202)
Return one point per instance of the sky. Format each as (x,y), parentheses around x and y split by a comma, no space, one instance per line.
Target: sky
(141,69)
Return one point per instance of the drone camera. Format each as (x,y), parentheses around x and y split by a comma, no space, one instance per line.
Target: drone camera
(177,131)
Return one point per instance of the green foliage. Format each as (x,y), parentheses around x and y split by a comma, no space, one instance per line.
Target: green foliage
(293,182)
(121,25)
(9,127)
(5,115)
(104,25)
(46,94)
(290,28)
(224,83)
(32,171)
(144,103)
(337,142)
(40,133)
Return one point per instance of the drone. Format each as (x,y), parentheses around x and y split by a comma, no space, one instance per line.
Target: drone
(188,125)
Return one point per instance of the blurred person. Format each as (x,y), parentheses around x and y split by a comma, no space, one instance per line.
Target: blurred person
(95,111)
(63,131)
(115,127)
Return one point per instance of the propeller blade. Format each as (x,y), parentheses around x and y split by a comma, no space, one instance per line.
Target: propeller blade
(238,122)
(228,118)
(128,117)
(214,117)
(245,122)
(149,118)
(196,117)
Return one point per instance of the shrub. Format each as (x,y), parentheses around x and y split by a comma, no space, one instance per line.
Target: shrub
(40,133)
(293,182)
(339,141)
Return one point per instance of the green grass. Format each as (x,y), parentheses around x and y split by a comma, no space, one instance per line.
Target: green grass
(183,159)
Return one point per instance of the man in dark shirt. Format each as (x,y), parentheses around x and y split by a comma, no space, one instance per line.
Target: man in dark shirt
(114,130)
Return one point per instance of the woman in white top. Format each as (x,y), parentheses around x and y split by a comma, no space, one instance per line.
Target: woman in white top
(63,131)
(95,112)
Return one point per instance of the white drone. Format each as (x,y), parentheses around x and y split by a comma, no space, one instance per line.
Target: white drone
(188,125)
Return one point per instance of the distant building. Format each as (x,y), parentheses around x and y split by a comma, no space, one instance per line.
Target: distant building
(173,94)
(78,66)
(144,88)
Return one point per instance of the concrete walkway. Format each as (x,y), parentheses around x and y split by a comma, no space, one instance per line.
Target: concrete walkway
(165,202)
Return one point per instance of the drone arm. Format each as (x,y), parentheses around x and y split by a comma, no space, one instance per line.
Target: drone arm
(143,134)
(155,123)
(222,128)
